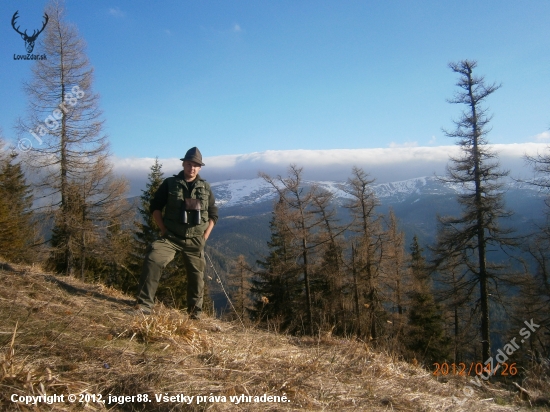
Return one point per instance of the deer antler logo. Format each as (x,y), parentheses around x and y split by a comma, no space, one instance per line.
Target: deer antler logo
(29,40)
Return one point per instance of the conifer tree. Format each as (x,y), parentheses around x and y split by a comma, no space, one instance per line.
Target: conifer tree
(238,282)
(456,293)
(64,240)
(534,296)
(95,207)
(112,254)
(328,280)
(535,284)
(276,285)
(146,230)
(470,236)
(18,236)
(394,264)
(425,336)
(354,285)
(367,252)
(395,275)
(532,303)
(301,223)
(70,151)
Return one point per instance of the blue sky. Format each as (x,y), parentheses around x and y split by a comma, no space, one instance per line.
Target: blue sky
(236,77)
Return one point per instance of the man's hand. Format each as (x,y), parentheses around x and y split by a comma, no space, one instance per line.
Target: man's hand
(157,217)
(208,229)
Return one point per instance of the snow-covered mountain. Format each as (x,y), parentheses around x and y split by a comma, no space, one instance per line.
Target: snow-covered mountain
(246,206)
(255,191)
(242,192)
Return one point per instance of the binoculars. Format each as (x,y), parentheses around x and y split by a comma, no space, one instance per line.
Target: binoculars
(192,206)
(196,217)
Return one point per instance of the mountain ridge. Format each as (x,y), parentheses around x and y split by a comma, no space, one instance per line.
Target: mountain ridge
(253,191)
(246,206)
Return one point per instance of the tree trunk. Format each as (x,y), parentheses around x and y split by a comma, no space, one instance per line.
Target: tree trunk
(483,275)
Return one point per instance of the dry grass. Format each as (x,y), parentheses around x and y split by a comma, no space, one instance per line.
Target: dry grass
(167,325)
(61,336)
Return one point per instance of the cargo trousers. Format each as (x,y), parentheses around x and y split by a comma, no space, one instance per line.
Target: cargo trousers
(159,254)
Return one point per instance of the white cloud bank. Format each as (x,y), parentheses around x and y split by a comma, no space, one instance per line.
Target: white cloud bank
(384,164)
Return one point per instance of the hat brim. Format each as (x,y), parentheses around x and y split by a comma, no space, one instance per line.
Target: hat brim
(194,161)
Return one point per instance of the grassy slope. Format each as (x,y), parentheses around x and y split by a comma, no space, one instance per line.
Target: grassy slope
(73,337)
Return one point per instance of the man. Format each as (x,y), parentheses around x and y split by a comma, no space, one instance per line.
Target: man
(189,216)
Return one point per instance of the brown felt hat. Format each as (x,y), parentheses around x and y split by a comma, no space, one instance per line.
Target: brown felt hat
(194,155)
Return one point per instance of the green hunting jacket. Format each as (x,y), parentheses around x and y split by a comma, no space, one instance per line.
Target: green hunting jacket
(170,196)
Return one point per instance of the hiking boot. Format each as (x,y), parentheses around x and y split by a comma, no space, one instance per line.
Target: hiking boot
(195,316)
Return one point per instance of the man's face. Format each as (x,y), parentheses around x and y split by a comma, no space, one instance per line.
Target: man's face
(190,170)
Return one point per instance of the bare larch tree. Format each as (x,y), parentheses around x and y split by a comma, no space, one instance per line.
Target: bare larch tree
(70,151)
(476,170)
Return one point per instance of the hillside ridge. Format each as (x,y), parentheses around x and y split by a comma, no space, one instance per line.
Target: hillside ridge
(61,336)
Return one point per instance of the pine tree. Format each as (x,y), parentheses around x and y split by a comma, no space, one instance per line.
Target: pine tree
(18,238)
(64,240)
(301,223)
(146,230)
(238,282)
(456,293)
(425,336)
(111,256)
(95,207)
(276,286)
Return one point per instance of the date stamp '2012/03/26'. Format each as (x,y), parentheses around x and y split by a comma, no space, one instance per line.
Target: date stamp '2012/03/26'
(488,367)
(474,368)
